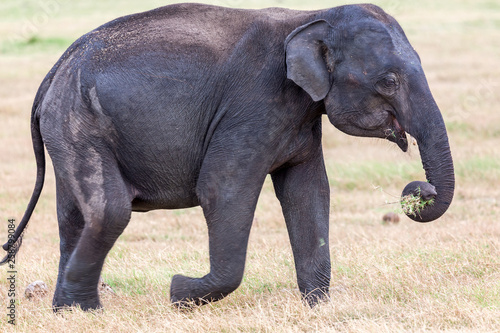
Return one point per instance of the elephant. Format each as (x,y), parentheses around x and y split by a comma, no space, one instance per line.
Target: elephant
(194,105)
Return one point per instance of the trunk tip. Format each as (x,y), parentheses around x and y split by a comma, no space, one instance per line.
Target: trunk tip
(418,201)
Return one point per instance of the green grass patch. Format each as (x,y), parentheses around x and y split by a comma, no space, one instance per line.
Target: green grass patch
(369,173)
(35,44)
(486,296)
(484,168)
(460,127)
(132,283)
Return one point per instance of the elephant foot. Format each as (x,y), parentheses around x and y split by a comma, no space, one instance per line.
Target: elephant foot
(59,307)
(68,300)
(315,297)
(182,289)
(186,292)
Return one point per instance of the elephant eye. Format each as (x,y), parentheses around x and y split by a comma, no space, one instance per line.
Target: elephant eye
(388,85)
(390,82)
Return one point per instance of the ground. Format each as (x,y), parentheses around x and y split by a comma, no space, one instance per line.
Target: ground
(440,276)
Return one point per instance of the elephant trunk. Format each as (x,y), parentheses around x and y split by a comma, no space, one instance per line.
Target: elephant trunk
(428,128)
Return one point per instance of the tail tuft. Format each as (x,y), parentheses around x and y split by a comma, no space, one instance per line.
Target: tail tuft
(11,249)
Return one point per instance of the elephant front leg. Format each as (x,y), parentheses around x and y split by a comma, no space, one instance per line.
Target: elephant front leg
(304,194)
(228,244)
(228,199)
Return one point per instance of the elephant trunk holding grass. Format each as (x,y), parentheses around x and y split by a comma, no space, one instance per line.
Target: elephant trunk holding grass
(193,104)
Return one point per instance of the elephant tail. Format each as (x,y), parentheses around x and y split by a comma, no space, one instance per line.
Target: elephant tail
(15,239)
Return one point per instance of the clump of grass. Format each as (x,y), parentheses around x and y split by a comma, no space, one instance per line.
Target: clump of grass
(412,204)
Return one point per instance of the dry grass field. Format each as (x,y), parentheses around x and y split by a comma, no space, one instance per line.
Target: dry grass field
(440,276)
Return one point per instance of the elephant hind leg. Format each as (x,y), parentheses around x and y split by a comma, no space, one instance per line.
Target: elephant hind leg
(71,224)
(105,205)
(81,274)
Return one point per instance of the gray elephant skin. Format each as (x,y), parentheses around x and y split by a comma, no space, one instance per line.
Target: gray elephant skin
(192,104)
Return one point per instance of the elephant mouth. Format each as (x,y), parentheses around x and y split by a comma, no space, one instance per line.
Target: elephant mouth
(395,133)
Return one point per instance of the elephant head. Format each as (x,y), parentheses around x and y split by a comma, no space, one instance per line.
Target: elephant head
(358,61)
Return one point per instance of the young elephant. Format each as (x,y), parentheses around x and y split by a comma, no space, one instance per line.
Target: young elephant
(192,105)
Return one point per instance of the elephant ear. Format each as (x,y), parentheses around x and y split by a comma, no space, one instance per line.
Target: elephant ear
(305,58)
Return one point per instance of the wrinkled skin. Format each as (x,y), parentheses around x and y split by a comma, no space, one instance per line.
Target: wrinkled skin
(193,105)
